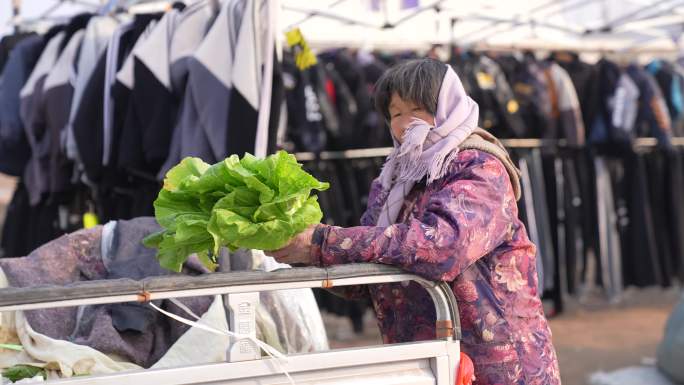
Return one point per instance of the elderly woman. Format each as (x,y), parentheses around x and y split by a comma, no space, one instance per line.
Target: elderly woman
(444,207)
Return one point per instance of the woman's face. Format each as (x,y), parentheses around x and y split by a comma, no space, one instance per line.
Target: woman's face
(402,113)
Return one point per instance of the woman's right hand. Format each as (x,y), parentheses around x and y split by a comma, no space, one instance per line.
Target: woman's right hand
(298,251)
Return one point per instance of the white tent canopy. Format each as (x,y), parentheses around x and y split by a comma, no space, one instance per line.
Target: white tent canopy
(573,24)
(620,25)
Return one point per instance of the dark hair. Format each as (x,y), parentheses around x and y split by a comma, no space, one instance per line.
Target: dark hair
(418,81)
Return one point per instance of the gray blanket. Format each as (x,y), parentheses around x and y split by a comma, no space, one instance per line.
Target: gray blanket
(130,331)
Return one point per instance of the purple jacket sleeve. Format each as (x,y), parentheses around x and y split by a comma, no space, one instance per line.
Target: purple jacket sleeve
(468,217)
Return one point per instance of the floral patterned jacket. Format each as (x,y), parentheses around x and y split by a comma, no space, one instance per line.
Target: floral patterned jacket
(463,229)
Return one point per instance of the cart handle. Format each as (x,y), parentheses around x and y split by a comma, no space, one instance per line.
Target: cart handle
(177,286)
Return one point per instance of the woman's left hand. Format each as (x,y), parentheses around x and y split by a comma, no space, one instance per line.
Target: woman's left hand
(298,251)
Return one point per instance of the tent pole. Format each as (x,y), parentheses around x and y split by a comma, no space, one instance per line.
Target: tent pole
(417,12)
(581,4)
(16,12)
(532,11)
(313,14)
(385,13)
(561,10)
(329,15)
(50,10)
(387,24)
(550,47)
(517,22)
(626,18)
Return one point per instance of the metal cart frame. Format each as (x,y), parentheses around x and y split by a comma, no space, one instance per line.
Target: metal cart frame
(430,362)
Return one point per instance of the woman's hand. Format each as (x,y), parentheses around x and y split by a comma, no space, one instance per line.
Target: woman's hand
(298,251)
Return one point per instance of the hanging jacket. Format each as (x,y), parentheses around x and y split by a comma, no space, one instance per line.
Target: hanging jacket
(14,147)
(131,192)
(59,90)
(615,123)
(32,115)
(379,133)
(653,118)
(192,26)
(221,82)
(95,40)
(678,101)
(508,106)
(670,81)
(76,23)
(531,93)
(227,70)
(486,83)
(364,122)
(346,110)
(7,44)
(601,130)
(565,108)
(625,106)
(117,51)
(305,126)
(87,124)
(100,115)
(152,106)
(190,31)
(252,71)
(582,75)
(121,93)
(91,134)
(277,124)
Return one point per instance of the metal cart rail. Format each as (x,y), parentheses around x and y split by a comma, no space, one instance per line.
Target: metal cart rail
(430,362)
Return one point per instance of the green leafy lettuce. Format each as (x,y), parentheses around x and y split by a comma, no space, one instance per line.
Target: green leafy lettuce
(20,372)
(237,203)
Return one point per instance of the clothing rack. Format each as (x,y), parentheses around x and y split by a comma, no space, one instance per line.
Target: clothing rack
(107,8)
(508,143)
(483,47)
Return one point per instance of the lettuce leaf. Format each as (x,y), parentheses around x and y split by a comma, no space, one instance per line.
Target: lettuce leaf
(19,372)
(236,203)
